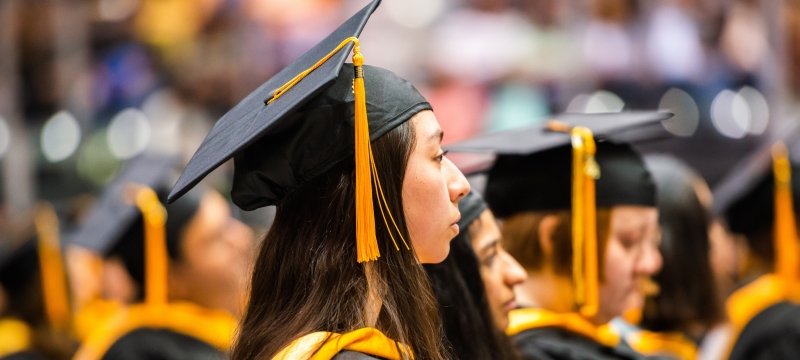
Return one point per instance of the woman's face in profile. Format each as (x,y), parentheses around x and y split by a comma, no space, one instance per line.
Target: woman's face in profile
(631,258)
(432,187)
(500,272)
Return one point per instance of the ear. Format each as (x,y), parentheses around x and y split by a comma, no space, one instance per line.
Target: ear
(116,283)
(547,227)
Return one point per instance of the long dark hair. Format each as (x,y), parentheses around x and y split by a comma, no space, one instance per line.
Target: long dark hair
(688,296)
(306,278)
(469,330)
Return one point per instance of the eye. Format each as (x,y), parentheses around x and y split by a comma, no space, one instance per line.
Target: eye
(441,156)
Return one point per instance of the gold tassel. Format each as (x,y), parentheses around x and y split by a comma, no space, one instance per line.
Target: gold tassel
(54,287)
(585,170)
(366,240)
(785,237)
(155,246)
(367,179)
(584,221)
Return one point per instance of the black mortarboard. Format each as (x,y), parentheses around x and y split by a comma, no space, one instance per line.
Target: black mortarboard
(37,260)
(622,126)
(555,166)
(470,207)
(745,197)
(115,216)
(273,127)
(532,170)
(18,264)
(303,121)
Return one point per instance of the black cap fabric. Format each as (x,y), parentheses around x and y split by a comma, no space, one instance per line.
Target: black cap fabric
(312,139)
(542,181)
(471,207)
(115,217)
(745,197)
(18,265)
(307,130)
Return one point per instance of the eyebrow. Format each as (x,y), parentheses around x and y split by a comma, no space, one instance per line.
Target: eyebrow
(491,244)
(438,134)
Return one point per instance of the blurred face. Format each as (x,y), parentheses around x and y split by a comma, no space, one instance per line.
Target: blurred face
(432,187)
(216,253)
(499,271)
(631,258)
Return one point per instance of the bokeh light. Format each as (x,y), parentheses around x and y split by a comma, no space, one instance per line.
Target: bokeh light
(687,115)
(60,136)
(128,133)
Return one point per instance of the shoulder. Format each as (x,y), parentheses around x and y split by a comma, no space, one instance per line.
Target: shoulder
(773,333)
(148,343)
(555,343)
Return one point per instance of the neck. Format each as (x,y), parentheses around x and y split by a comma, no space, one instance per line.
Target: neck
(547,290)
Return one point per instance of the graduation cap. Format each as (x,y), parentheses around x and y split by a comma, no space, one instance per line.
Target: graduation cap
(559,166)
(40,256)
(131,221)
(311,116)
(757,198)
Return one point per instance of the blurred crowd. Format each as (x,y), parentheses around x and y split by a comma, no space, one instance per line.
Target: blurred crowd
(86,84)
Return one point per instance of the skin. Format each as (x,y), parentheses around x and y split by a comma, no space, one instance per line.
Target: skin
(217,252)
(500,272)
(432,185)
(631,256)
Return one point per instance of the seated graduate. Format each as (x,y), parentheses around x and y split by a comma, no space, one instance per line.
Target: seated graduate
(474,286)
(685,308)
(35,318)
(351,157)
(758,200)
(183,267)
(586,258)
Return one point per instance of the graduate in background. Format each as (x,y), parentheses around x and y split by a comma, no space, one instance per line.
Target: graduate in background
(758,200)
(351,156)
(677,319)
(586,256)
(35,310)
(474,286)
(180,270)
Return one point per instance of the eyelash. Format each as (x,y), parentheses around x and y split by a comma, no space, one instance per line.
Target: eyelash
(442,155)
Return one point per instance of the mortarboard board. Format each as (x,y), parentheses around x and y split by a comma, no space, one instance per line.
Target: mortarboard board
(559,166)
(530,160)
(312,115)
(115,212)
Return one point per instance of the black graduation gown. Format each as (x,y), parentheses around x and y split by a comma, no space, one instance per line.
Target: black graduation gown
(23,355)
(772,334)
(550,343)
(353,355)
(161,344)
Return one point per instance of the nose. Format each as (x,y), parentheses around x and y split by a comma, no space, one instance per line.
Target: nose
(650,261)
(457,185)
(514,273)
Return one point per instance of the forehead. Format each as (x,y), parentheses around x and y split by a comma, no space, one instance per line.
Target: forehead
(426,127)
(626,218)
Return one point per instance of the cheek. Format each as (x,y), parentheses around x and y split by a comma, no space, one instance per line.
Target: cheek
(618,264)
